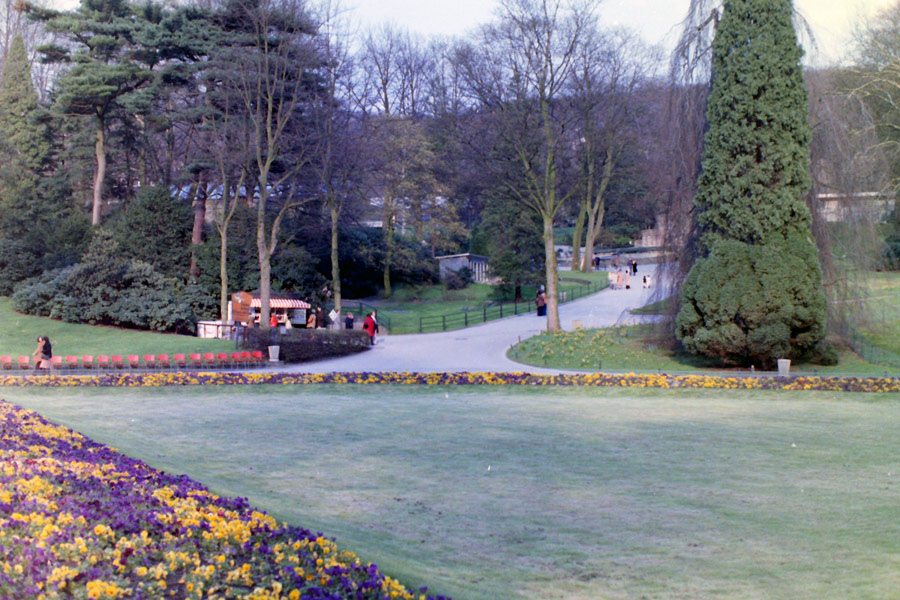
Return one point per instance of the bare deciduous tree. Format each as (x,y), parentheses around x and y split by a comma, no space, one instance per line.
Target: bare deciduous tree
(610,71)
(518,72)
(272,80)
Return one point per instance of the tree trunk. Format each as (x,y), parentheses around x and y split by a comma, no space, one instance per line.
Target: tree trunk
(589,242)
(265,258)
(586,206)
(552,276)
(388,228)
(223,274)
(577,235)
(598,204)
(335,256)
(595,225)
(99,175)
(265,290)
(197,232)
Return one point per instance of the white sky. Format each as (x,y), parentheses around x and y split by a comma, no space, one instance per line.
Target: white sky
(657,20)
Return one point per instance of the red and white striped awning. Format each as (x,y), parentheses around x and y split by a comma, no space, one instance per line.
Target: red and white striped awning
(280,303)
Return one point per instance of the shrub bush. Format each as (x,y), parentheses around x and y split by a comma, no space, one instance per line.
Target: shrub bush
(105,289)
(301,345)
(753,304)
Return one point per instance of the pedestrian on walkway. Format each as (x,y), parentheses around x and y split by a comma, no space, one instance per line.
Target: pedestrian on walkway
(370,325)
(348,321)
(633,267)
(540,302)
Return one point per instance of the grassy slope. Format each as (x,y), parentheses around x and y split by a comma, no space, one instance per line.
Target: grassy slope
(592,493)
(626,349)
(19,332)
(410,303)
(884,311)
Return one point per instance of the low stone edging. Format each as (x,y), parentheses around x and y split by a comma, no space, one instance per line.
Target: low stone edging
(832,384)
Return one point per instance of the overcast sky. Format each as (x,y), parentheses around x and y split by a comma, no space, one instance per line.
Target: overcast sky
(656,20)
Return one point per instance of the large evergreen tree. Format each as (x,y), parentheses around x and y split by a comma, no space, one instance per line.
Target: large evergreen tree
(38,226)
(754,293)
(24,142)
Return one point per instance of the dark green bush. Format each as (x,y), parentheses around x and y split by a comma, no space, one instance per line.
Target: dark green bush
(155,228)
(825,354)
(105,289)
(753,304)
(457,280)
(301,345)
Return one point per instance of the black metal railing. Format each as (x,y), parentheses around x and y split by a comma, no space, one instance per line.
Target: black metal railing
(360,310)
(500,310)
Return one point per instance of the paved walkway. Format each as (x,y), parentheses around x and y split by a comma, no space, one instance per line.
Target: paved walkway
(483,347)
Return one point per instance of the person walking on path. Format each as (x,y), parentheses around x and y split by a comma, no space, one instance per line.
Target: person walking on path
(370,325)
(43,353)
(311,320)
(633,267)
(540,302)
(320,318)
(348,321)
(273,321)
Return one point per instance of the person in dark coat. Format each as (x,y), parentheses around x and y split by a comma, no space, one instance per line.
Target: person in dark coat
(42,354)
(348,321)
(320,318)
(633,267)
(541,303)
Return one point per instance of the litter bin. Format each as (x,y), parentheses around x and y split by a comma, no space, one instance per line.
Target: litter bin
(273,353)
(784,367)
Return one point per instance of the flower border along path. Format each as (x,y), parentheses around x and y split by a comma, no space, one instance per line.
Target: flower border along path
(81,520)
(831,384)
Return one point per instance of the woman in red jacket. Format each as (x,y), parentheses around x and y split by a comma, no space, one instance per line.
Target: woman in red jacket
(370,325)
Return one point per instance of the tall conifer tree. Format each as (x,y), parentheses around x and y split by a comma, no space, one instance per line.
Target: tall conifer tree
(754,293)
(24,143)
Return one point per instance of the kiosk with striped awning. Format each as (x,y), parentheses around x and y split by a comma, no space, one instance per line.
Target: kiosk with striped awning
(284,306)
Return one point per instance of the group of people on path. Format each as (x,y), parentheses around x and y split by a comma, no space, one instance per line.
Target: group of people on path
(316,319)
(370,325)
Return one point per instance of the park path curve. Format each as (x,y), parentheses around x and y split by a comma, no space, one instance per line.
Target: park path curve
(482,347)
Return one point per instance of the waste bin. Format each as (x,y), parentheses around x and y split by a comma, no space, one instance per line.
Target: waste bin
(784,367)
(273,353)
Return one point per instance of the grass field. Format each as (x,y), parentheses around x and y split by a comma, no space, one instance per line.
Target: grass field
(632,349)
(411,303)
(488,493)
(19,332)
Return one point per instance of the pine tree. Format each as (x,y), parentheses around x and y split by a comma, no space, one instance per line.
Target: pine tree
(753,222)
(38,227)
(24,142)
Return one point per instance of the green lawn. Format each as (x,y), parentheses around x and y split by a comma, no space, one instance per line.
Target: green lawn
(409,304)
(633,349)
(19,333)
(883,311)
(573,493)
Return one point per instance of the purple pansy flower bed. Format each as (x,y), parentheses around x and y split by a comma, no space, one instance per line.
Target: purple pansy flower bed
(80,520)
